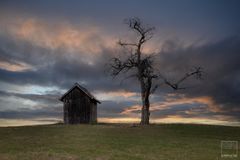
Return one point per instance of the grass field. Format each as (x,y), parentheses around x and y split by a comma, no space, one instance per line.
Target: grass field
(115,142)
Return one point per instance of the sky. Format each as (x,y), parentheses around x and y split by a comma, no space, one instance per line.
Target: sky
(47,46)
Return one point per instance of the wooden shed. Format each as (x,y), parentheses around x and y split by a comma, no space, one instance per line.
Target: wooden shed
(79,106)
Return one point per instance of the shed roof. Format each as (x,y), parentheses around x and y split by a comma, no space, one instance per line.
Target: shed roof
(84,90)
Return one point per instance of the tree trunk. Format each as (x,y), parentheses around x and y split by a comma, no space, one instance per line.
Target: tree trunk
(145,88)
(145,109)
(145,92)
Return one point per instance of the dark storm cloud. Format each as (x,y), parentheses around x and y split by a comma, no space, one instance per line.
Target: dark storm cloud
(48,99)
(55,67)
(113,108)
(48,105)
(12,50)
(220,61)
(60,66)
(108,109)
(28,113)
(216,17)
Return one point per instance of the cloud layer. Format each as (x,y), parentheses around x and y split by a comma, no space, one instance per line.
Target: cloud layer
(41,58)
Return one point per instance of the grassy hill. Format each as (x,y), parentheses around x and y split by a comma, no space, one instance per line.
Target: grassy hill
(115,142)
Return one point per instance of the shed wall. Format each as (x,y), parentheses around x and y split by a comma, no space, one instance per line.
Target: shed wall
(78,108)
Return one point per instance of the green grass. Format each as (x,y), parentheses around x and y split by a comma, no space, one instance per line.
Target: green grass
(115,142)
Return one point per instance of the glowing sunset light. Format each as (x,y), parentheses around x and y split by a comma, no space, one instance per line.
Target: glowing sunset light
(46,47)
(16,66)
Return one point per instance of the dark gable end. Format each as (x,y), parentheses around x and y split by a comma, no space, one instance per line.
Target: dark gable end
(84,90)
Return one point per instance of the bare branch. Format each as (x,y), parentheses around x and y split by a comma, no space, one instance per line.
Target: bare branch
(117,66)
(126,44)
(145,32)
(196,71)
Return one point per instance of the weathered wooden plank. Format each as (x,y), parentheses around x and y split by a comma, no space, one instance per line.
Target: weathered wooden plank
(79,108)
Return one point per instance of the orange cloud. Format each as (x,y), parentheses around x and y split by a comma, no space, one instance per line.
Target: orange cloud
(172,101)
(122,93)
(89,40)
(172,119)
(179,119)
(86,38)
(115,94)
(119,120)
(130,110)
(20,66)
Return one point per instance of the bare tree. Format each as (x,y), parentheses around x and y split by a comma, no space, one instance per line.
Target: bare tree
(142,64)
